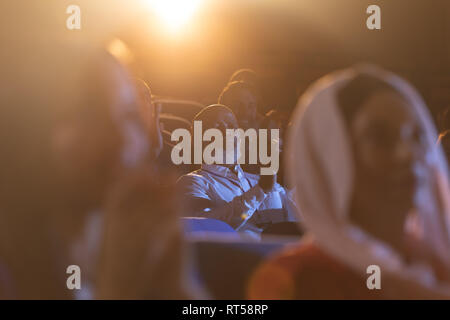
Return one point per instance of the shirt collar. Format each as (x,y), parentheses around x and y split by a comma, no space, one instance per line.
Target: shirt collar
(224,171)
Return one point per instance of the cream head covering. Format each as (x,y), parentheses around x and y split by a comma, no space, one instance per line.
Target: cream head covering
(321,168)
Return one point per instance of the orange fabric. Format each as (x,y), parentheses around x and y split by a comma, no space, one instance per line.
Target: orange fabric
(306,272)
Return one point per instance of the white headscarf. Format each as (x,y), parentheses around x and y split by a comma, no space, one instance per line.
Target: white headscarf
(321,167)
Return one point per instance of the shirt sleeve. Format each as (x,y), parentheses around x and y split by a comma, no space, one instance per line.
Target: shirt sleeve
(194,189)
(290,205)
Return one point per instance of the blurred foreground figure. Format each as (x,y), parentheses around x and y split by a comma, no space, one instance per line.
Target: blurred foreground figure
(371,185)
(74,188)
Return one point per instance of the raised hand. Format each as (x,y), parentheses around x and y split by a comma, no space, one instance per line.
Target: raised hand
(267,182)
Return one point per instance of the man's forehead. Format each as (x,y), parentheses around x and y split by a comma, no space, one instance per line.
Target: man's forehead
(215,114)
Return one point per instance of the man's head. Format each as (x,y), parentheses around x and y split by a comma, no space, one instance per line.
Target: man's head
(242,98)
(217,116)
(245,75)
(62,142)
(221,118)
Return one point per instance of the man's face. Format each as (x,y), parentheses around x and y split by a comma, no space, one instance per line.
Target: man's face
(223,119)
(390,148)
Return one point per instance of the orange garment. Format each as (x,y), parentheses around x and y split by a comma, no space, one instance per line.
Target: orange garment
(307,273)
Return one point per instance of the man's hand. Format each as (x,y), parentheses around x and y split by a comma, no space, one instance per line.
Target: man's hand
(267,182)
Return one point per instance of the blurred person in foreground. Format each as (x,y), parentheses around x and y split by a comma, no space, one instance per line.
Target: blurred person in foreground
(249,203)
(75,189)
(371,186)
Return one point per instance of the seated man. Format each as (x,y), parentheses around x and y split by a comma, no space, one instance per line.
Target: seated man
(249,203)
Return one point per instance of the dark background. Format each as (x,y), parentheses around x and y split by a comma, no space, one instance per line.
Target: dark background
(289,43)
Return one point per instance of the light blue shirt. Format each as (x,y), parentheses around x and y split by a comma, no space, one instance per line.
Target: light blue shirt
(236,198)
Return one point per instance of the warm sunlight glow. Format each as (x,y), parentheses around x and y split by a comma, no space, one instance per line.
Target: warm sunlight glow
(175,13)
(120,50)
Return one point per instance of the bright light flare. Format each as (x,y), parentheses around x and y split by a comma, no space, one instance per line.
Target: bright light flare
(120,50)
(175,13)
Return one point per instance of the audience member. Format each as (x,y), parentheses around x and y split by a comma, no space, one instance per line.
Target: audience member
(248,203)
(372,190)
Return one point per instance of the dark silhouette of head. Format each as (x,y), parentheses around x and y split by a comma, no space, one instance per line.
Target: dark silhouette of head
(245,75)
(242,98)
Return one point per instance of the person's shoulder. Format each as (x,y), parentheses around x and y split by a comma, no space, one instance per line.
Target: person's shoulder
(251,177)
(293,257)
(194,174)
(193,178)
(276,277)
(305,271)
(307,261)
(279,188)
(319,275)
